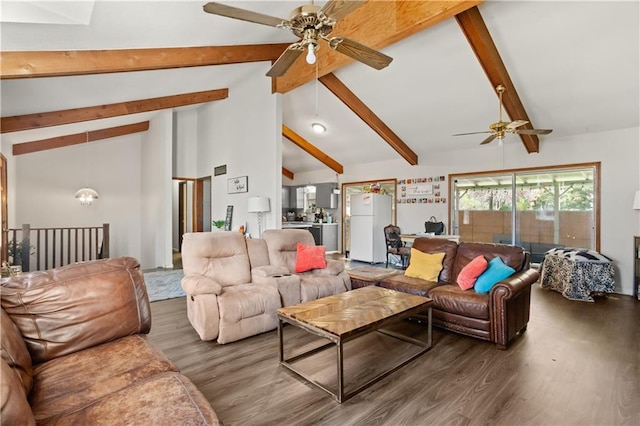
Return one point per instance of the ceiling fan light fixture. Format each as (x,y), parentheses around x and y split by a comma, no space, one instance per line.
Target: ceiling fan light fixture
(318,128)
(311,56)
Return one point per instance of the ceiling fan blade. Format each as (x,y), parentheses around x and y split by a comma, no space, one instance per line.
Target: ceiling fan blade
(533,132)
(516,123)
(360,52)
(338,9)
(489,139)
(242,14)
(285,60)
(472,133)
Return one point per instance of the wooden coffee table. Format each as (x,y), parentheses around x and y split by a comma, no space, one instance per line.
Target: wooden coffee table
(347,316)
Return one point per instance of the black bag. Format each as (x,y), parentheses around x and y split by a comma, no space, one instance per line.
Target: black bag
(432,225)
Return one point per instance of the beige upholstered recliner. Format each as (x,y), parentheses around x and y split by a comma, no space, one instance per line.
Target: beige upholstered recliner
(222,301)
(282,248)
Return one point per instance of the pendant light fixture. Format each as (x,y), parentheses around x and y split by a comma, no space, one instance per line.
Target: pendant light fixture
(87,194)
(316,126)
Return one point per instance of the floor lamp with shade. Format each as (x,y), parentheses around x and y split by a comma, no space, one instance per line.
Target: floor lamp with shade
(258,205)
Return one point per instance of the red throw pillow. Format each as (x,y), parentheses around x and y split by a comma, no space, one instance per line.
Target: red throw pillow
(470,273)
(310,257)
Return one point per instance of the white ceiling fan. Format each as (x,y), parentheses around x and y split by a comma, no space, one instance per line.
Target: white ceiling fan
(311,23)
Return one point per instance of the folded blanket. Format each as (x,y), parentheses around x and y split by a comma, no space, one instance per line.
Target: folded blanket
(579,255)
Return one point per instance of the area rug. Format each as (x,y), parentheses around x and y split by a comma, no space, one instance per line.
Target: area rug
(163,285)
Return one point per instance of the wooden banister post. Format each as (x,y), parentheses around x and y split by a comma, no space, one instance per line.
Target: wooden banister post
(26,246)
(105,240)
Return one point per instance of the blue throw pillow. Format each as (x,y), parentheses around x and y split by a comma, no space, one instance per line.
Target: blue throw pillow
(496,272)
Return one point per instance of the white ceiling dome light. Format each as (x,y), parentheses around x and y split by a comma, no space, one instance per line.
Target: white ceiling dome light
(319,128)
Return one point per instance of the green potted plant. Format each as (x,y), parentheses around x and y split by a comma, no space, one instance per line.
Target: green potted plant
(218,224)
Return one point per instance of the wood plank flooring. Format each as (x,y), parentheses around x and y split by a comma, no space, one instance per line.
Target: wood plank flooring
(577,364)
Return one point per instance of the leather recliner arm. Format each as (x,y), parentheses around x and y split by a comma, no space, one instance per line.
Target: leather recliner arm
(194,285)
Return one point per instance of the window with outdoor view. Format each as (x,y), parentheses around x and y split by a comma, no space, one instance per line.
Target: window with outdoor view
(537,209)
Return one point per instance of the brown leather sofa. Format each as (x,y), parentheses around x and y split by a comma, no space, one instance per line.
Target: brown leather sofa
(74,351)
(497,316)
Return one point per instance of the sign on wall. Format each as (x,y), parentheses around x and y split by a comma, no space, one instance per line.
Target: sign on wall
(422,190)
(238,184)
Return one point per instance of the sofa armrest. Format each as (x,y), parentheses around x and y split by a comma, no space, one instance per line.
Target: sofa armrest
(334,267)
(194,285)
(509,306)
(516,283)
(269,271)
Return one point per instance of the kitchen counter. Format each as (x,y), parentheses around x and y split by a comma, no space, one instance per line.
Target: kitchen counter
(296,225)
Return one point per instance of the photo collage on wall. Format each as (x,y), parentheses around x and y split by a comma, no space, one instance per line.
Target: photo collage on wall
(425,190)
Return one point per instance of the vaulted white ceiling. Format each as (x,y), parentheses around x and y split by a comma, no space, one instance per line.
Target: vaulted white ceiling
(574,64)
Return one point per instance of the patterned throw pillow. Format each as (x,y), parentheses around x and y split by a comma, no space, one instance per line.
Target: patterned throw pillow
(496,272)
(310,257)
(470,273)
(424,265)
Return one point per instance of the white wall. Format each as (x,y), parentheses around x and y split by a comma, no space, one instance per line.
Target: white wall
(42,187)
(244,132)
(156,192)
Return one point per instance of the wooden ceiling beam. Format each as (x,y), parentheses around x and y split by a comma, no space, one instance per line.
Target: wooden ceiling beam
(377,24)
(78,138)
(287,173)
(478,36)
(26,64)
(76,115)
(312,150)
(338,88)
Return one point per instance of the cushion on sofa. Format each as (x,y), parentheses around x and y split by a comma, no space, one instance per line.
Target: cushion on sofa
(401,282)
(512,256)
(13,400)
(310,257)
(104,292)
(496,272)
(470,273)
(282,245)
(424,265)
(451,298)
(14,351)
(164,399)
(70,382)
(439,245)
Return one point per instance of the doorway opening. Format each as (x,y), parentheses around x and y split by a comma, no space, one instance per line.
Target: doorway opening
(384,186)
(191,211)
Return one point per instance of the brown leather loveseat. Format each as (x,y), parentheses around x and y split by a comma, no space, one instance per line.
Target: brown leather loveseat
(497,316)
(74,351)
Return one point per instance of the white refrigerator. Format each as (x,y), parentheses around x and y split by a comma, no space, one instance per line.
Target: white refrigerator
(370,213)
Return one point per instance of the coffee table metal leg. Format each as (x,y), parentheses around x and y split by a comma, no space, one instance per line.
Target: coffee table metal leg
(340,393)
(280,338)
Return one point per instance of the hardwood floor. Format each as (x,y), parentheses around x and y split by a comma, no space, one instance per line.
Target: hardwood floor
(577,364)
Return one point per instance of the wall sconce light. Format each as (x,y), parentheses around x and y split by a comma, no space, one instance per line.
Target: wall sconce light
(258,205)
(636,201)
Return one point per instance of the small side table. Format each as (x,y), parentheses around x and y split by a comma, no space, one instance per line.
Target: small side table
(369,275)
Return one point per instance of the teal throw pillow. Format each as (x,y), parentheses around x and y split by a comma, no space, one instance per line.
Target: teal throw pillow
(496,272)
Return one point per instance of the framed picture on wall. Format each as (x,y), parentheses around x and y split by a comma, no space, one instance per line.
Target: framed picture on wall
(237,184)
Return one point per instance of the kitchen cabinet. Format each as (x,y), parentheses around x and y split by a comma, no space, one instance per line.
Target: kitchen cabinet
(325,198)
(330,236)
(298,201)
(286,197)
